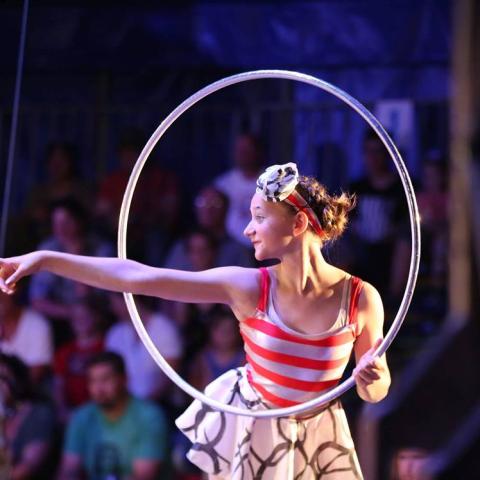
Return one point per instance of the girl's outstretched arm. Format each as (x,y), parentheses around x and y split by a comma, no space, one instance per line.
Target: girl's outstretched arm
(218,285)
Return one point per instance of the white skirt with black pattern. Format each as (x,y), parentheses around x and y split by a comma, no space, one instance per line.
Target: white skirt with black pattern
(235,447)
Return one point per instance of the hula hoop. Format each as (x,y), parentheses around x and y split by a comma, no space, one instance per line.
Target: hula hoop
(414,223)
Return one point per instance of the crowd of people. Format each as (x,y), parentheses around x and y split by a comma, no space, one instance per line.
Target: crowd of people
(80,395)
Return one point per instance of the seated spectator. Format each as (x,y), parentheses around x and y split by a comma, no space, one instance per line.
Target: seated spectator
(380,223)
(211,206)
(116,435)
(223,351)
(193,318)
(29,423)
(52,295)
(156,204)
(26,334)
(239,183)
(61,180)
(433,206)
(410,464)
(145,378)
(72,358)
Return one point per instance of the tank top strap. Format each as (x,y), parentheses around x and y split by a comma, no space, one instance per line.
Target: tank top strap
(264,288)
(355,290)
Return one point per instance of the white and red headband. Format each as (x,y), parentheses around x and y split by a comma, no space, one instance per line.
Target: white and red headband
(278,184)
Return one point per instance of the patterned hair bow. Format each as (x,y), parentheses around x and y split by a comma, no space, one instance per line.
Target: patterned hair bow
(278,183)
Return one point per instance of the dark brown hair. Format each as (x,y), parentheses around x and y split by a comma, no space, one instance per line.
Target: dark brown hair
(332,211)
(113,359)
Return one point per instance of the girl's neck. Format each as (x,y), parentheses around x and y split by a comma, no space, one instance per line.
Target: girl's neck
(304,270)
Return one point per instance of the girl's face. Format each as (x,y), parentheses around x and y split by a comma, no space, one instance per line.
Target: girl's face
(271,229)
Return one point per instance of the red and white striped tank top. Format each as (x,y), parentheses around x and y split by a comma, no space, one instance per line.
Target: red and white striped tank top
(287,367)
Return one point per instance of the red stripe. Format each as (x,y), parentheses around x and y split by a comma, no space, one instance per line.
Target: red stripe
(270,397)
(264,288)
(290,382)
(293,360)
(274,331)
(353,307)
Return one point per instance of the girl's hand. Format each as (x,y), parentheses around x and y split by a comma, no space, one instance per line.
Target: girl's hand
(14,268)
(369,368)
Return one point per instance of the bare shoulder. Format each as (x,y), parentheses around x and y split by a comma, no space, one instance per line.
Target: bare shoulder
(241,279)
(368,296)
(370,305)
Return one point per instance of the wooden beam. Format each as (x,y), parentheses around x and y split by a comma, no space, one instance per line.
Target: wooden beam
(461,128)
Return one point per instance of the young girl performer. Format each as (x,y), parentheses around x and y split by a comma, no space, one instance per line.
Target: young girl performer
(300,321)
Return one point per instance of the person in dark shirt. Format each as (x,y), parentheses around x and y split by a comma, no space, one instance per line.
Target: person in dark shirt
(29,424)
(380,222)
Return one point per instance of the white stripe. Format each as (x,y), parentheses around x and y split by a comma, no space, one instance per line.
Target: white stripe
(286,393)
(297,373)
(290,348)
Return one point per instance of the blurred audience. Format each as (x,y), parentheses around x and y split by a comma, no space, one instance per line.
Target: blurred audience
(239,183)
(211,207)
(116,435)
(410,464)
(155,210)
(29,427)
(145,379)
(26,334)
(72,358)
(223,351)
(380,223)
(52,295)
(107,399)
(61,180)
(433,206)
(193,318)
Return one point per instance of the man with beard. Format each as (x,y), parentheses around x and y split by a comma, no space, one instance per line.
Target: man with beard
(115,436)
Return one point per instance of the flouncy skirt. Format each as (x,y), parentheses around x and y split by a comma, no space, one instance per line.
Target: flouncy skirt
(235,447)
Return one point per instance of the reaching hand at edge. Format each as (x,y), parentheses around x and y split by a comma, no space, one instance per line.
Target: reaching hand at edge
(14,268)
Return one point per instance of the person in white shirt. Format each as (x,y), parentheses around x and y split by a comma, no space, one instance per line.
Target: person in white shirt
(146,379)
(240,182)
(26,334)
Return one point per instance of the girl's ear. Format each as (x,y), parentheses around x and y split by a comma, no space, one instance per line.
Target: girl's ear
(300,223)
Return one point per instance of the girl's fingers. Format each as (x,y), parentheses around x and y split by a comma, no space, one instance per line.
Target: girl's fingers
(368,376)
(376,364)
(361,381)
(14,277)
(7,283)
(7,290)
(371,362)
(15,274)
(366,373)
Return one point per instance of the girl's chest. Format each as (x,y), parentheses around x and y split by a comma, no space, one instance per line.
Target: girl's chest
(309,317)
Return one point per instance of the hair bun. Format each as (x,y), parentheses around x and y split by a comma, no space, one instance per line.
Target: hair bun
(332,210)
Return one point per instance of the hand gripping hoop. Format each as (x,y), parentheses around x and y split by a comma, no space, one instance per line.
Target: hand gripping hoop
(414,224)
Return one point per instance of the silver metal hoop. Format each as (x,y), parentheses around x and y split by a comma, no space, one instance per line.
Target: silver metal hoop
(311,405)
